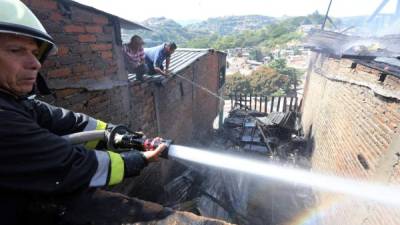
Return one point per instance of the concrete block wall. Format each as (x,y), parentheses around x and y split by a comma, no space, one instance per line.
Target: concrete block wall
(351,120)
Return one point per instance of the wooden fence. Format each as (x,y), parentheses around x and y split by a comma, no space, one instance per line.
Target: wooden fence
(265,104)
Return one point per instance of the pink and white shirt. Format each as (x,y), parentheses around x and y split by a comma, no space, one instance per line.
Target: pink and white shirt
(134,58)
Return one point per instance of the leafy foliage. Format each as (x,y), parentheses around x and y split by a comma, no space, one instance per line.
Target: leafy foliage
(275,79)
(226,32)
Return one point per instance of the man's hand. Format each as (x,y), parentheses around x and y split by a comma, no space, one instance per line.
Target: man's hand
(152,154)
(166,73)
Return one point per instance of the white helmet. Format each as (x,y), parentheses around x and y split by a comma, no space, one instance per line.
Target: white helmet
(16,18)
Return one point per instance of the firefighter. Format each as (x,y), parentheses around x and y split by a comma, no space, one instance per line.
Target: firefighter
(36,163)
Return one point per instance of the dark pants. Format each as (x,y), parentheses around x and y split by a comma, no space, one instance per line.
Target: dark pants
(150,66)
(92,206)
(140,71)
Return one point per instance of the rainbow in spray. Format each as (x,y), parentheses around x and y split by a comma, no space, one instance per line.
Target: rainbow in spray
(319,182)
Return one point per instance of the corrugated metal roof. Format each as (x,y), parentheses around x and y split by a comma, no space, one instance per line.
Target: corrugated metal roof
(357,47)
(180,59)
(183,57)
(126,24)
(282,119)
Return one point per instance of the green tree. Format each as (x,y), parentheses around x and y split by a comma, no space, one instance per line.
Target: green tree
(275,79)
(237,83)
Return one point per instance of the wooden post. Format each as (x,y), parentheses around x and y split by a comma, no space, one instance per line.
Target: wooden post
(265,104)
(284,104)
(279,104)
(272,103)
(290,104)
(240,100)
(250,102)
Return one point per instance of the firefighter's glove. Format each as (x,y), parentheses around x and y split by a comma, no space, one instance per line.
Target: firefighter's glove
(134,162)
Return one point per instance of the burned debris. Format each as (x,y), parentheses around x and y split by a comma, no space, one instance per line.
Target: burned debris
(277,135)
(237,197)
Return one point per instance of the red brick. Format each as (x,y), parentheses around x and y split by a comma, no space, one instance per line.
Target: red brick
(101,47)
(66,92)
(101,20)
(62,50)
(74,29)
(94,29)
(94,74)
(56,17)
(87,38)
(106,55)
(79,68)
(63,72)
(97,99)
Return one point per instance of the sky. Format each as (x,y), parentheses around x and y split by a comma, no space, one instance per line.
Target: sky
(184,10)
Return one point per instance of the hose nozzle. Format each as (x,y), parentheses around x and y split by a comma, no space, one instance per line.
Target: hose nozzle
(143,144)
(121,138)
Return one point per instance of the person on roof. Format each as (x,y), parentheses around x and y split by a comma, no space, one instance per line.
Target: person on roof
(134,57)
(36,163)
(155,57)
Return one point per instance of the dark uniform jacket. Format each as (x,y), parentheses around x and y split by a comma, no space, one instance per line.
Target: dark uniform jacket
(34,159)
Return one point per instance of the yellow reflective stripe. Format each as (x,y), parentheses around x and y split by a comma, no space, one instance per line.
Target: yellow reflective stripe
(99,126)
(117,168)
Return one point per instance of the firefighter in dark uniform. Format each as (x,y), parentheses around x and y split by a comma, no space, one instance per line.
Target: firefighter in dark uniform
(36,163)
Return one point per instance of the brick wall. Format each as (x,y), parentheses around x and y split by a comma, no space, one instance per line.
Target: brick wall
(351,119)
(87,72)
(185,114)
(205,103)
(88,76)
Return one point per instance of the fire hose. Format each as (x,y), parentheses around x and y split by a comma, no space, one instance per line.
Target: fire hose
(120,139)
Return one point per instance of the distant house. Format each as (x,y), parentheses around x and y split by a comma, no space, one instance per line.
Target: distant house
(308,27)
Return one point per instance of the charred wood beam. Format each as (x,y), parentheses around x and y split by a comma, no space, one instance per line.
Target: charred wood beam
(382,67)
(264,138)
(227,207)
(338,44)
(326,15)
(390,95)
